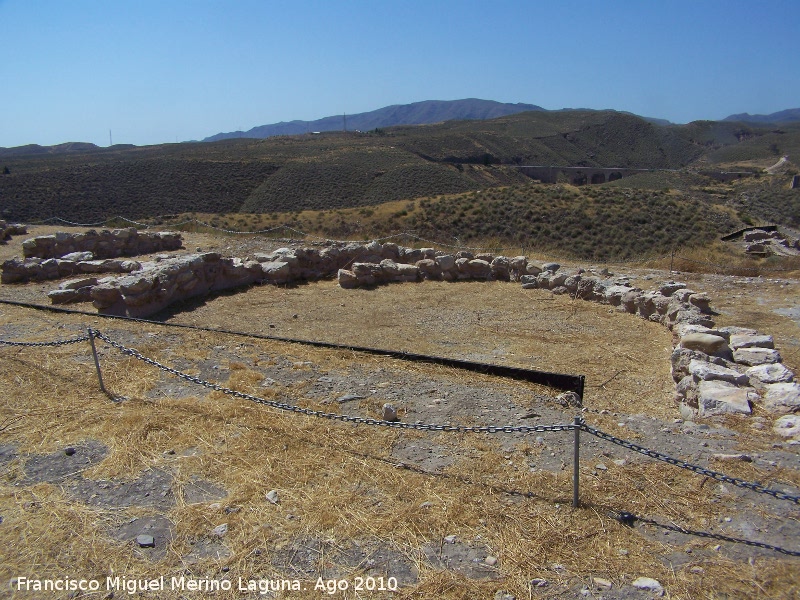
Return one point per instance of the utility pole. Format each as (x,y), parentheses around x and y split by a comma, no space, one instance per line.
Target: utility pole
(110,143)
(344,117)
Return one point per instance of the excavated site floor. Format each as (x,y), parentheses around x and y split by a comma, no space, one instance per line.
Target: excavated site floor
(448,515)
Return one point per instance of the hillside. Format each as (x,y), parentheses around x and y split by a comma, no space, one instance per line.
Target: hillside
(337,170)
(417,113)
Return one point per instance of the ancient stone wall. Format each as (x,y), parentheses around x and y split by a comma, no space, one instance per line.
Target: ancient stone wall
(67,254)
(105,244)
(716,370)
(9,229)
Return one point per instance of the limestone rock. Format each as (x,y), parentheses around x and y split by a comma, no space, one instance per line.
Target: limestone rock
(648,584)
(782,397)
(552,267)
(720,397)
(703,342)
(347,279)
(480,269)
(78,256)
(670,287)
(756,356)
(770,373)
(447,262)
(787,426)
(744,340)
(533,269)
(75,284)
(705,371)
(683,329)
(701,301)
(389,413)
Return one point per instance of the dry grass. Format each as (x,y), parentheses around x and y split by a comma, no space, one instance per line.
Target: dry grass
(338,482)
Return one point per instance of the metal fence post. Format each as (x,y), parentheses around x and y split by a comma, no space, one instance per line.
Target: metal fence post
(576,461)
(96,361)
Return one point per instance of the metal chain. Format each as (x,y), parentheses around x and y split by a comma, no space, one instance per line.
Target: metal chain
(629,518)
(328,415)
(756,487)
(82,338)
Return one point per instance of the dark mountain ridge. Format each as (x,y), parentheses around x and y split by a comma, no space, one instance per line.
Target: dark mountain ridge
(784,116)
(416,113)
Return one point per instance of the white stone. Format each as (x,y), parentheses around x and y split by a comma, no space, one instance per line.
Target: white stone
(756,356)
(648,584)
(76,284)
(720,397)
(683,329)
(743,340)
(707,372)
(770,373)
(782,397)
(787,426)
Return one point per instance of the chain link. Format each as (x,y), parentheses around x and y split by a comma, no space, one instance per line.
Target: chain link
(328,415)
(756,487)
(82,338)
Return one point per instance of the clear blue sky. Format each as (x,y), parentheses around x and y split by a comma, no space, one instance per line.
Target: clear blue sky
(156,71)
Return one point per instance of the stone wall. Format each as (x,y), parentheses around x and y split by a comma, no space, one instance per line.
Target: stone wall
(67,254)
(17,270)
(162,283)
(716,370)
(9,229)
(105,244)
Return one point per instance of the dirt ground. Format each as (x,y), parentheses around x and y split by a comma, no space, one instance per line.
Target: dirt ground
(447,515)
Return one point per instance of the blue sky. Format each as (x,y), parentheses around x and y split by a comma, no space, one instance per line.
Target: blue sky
(156,71)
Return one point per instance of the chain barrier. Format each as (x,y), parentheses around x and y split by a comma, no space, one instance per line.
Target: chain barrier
(756,487)
(328,415)
(75,340)
(627,518)
(578,426)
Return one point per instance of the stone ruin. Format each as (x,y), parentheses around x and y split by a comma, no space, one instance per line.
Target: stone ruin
(716,370)
(760,243)
(9,229)
(105,244)
(67,254)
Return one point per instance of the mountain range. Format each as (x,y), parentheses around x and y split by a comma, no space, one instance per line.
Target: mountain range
(785,116)
(416,113)
(437,111)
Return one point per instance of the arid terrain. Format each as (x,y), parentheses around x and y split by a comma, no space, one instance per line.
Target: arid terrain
(234,491)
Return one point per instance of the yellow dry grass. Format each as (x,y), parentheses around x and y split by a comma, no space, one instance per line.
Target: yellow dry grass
(338,482)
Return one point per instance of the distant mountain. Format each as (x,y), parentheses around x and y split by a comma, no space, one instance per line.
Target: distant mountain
(417,113)
(33,149)
(66,148)
(785,116)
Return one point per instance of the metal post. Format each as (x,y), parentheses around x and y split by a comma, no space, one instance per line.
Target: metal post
(96,361)
(576,462)
(671,260)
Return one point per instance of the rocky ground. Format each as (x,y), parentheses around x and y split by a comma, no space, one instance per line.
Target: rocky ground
(171,478)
